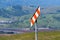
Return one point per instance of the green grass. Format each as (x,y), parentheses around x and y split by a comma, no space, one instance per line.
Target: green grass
(53,35)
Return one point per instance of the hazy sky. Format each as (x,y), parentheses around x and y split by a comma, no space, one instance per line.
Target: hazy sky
(30,2)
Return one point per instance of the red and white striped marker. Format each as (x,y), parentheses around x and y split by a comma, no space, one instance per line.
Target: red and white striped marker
(35,16)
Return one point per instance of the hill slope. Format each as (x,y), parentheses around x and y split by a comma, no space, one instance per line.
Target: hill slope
(50,17)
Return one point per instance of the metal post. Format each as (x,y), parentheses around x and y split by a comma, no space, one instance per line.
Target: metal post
(36,32)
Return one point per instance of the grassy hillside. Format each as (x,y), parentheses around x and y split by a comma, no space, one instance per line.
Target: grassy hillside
(45,20)
(53,35)
(50,17)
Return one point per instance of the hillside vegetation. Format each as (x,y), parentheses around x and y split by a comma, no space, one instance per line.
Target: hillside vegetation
(49,17)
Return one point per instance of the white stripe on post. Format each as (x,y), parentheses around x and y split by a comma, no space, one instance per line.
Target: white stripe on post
(36,14)
(39,8)
(31,24)
(33,19)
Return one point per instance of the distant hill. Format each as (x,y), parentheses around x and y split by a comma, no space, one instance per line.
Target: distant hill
(16,11)
(25,10)
(50,16)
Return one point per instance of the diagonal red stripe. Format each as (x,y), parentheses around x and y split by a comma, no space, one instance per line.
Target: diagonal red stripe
(35,16)
(38,12)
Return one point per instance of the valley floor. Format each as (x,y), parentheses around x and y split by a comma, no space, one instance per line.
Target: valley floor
(50,35)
